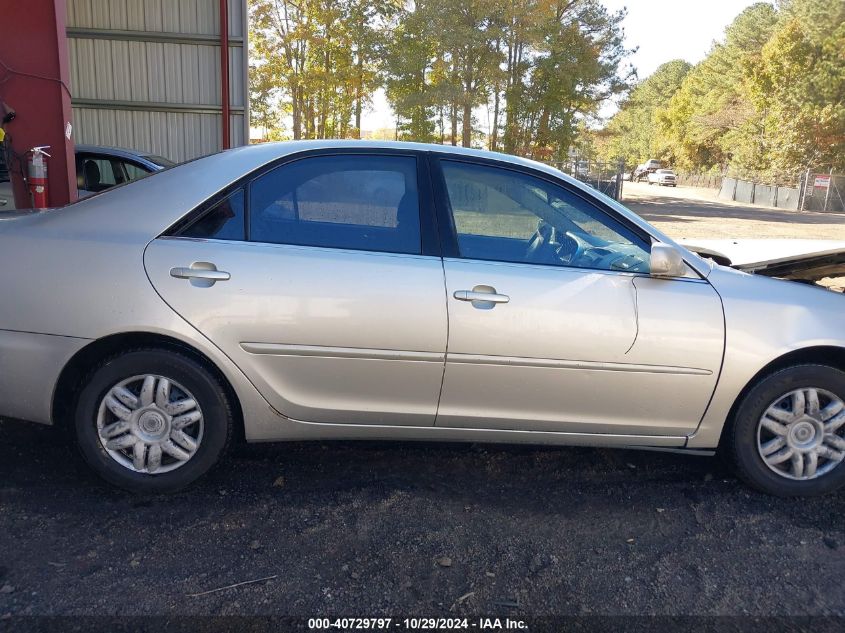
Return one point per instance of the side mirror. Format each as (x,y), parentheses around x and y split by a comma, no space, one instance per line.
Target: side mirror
(666,261)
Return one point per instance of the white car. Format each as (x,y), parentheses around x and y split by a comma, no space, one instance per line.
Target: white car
(663,177)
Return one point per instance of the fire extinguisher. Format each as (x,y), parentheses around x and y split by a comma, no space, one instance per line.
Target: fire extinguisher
(37,172)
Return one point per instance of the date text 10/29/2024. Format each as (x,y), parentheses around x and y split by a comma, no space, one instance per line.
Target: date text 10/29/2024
(417,624)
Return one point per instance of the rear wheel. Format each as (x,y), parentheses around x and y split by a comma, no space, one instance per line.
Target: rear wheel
(788,436)
(152,420)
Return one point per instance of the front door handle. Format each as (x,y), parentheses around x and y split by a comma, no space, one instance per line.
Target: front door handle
(482,297)
(201,274)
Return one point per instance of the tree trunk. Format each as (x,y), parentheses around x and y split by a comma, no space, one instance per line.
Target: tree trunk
(466,136)
(442,127)
(297,113)
(454,114)
(494,133)
(359,96)
(541,140)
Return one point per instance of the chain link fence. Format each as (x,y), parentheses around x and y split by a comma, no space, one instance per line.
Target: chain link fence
(605,176)
(822,191)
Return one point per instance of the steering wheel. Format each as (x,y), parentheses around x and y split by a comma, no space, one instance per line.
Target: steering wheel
(572,248)
(539,242)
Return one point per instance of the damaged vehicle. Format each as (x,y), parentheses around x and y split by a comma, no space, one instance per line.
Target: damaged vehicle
(369,290)
(819,262)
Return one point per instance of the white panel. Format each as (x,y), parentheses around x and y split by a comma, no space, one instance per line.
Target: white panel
(208,17)
(236,129)
(79,13)
(236,18)
(154,72)
(236,77)
(153,12)
(135,15)
(100,15)
(118,15)
(121,71)
(170,16)
(103,74)
(139,84)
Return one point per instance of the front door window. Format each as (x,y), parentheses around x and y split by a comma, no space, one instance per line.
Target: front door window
(505,215)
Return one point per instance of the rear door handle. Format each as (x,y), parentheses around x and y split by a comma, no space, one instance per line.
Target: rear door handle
(472,295)
(481,297)
(201,274)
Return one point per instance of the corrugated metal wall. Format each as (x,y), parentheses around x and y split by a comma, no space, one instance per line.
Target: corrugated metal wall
(145,74)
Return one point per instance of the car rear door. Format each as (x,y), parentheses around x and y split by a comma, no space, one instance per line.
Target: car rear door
(554,322)
(321,279)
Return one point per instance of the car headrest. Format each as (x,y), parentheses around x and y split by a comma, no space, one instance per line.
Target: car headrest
(90,175)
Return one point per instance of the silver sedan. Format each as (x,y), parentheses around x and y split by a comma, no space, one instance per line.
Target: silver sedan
(359,290)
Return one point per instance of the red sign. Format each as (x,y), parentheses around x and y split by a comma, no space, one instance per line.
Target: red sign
(822,180)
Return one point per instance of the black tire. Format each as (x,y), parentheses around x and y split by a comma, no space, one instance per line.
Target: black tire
(740,440)
(203,385)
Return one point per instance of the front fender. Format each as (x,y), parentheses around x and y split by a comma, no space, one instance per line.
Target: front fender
(765,320)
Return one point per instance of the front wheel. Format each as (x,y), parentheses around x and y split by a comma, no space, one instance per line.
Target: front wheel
(788,435)
(152,420)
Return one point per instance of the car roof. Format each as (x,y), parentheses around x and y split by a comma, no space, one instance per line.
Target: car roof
(151,204)
(120,152)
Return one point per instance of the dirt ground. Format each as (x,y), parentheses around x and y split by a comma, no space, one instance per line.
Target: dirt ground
(367,529)
(687,212)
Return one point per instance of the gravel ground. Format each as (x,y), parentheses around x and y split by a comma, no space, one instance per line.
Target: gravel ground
(413,529)
(424,529)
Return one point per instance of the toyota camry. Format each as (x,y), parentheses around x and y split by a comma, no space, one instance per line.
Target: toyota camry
(368,290)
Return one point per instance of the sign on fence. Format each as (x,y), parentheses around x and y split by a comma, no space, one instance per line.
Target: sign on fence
(821,180)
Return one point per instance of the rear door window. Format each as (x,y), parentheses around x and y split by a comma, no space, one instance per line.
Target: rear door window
(360,202)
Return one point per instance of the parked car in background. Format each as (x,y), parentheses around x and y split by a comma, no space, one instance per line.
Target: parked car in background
(642,171)
(663,177)
(373,290)
(97,169)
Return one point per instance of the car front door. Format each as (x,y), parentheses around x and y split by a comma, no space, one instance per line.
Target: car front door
(319,279)
(554,321)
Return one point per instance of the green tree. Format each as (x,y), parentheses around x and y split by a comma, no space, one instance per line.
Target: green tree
(799,89)
(563,60)
(711,120)
(319,60)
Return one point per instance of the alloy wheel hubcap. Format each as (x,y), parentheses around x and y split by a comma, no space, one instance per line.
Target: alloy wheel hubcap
(150,424)
(801,435)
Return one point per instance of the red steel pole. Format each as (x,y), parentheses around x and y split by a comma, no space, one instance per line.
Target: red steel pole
(224,70)
(34,81)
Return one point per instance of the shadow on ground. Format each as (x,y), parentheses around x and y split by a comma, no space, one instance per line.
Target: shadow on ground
(663,207)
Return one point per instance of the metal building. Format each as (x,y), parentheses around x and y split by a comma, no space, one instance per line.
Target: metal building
(149,74)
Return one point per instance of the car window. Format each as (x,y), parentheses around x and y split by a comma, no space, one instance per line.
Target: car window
(357,202)
(98,173)
(135,172)
(505,215)
(108,175)
(223,221)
